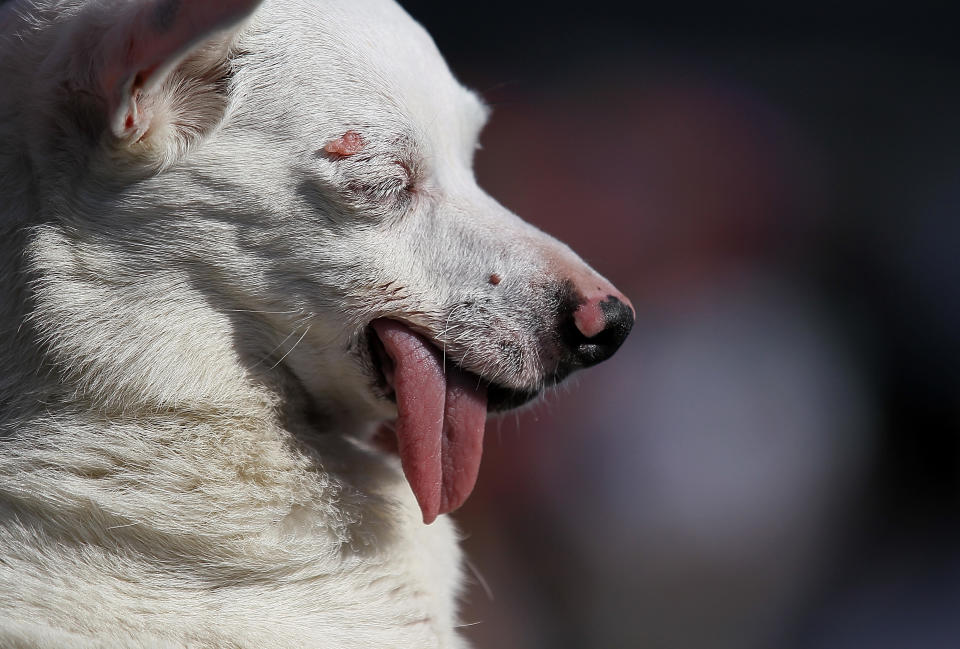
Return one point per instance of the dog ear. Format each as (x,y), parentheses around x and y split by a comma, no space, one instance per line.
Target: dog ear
(141,49)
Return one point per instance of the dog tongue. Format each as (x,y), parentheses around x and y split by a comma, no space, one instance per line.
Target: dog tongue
(441,416)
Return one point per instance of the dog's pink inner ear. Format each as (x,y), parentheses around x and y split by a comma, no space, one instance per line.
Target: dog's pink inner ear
(142,48)
(347,144)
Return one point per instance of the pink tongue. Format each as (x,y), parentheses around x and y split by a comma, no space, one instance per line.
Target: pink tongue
(440,420)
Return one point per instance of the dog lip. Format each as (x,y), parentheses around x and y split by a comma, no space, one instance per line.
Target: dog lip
(381,366)
(500,398)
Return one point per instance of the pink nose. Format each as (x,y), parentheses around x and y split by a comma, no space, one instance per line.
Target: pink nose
(602,319)
(594,315)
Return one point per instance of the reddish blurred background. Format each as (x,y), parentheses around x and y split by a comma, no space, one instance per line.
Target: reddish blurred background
(772,459)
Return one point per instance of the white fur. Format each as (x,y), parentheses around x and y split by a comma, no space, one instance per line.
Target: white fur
(184,402)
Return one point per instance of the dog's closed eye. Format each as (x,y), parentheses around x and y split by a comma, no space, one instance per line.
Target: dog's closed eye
(373,174)
(383,191)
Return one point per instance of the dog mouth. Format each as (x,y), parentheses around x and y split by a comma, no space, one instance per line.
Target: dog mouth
(500,398)
(441,413)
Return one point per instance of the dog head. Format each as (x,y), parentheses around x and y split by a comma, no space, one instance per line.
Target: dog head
(302,171)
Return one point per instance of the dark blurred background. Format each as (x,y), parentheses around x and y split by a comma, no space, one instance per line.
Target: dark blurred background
(772,459)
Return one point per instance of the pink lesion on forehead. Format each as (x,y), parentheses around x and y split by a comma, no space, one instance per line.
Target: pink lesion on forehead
(346,145)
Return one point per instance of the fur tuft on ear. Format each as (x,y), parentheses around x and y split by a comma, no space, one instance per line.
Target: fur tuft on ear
(142,48)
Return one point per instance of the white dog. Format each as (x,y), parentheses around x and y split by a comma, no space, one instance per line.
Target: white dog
(235,240)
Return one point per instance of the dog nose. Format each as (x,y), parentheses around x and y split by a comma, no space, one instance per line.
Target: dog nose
(593,318)
(600,325)
(596,327)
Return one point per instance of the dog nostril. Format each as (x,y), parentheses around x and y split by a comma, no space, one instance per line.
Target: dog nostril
(595,331)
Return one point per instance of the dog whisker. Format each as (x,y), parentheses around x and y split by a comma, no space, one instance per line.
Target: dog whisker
(291,348)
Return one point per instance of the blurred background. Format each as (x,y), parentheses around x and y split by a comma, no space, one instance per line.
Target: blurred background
(772,459)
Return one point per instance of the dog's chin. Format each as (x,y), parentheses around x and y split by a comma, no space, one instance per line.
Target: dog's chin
(500,398)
